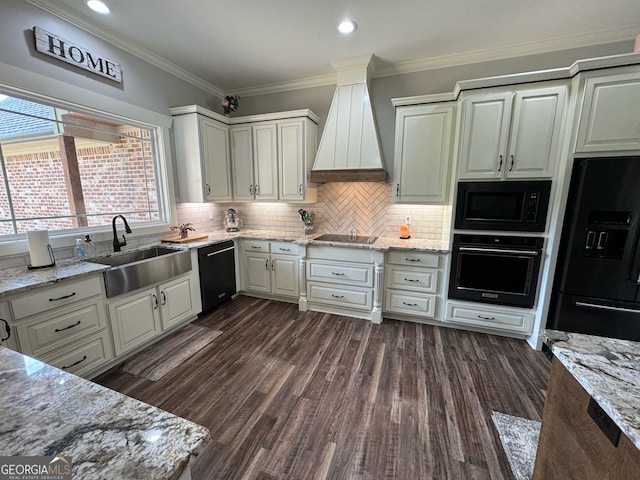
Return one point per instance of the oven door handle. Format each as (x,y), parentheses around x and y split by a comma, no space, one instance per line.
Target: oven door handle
(533,253)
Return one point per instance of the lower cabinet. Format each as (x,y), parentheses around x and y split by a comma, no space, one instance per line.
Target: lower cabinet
(493,318)
(270,268)
(413,285)
(345,281)
(141,316)
(72,334)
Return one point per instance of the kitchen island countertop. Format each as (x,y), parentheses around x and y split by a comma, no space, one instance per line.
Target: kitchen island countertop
(608,369)
(46,411)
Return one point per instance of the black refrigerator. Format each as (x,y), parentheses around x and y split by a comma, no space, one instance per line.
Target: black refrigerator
(596,286)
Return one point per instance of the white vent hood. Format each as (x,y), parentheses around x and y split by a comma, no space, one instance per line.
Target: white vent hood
(349,149)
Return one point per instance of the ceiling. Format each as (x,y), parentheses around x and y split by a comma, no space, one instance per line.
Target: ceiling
(234,45)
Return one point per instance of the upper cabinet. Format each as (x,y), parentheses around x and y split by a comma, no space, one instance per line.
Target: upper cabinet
(202,151)
(511,134)
(261,157)
(423,153)
(610,119)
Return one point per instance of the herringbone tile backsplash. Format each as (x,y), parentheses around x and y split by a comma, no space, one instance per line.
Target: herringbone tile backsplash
(364,206)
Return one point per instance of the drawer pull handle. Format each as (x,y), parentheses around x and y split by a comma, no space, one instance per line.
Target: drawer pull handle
(67,328)
(7,329)
(410,304)
(339,274)
(486,318)
(258,247)
(337,296)
(63,297)
(412,259)
(411,280)
(74,364)
(285,249)
(155,302)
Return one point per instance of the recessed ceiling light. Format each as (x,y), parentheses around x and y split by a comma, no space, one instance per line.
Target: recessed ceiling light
(348,26)
(98,6)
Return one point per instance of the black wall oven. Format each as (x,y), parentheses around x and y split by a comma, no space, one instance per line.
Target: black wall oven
(501,270)
(514,206)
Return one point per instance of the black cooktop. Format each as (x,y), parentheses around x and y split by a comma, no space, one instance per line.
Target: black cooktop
(359,239)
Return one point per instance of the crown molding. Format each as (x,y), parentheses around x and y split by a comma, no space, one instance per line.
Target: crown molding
(509,51)
(278,87)
(128,46)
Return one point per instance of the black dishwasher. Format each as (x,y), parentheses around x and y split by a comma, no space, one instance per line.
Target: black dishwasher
(217,274)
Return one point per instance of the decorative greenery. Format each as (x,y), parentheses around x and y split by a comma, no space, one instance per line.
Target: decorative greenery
(230,103)
(184,228)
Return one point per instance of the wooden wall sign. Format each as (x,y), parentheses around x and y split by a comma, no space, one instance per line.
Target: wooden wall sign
(71,53)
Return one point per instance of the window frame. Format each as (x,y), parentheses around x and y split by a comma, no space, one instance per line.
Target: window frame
(137,117)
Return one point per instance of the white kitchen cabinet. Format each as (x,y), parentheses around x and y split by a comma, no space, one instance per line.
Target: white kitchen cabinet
(135,319)
(345,281)
(511,134)
(423,153)
(610,118)
(138,317)
(203,157)
(297,144)
(270,268)
(490,318)
(64,325)
(413,285)
(255,162)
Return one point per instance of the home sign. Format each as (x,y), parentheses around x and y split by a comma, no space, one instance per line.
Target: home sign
(71,53)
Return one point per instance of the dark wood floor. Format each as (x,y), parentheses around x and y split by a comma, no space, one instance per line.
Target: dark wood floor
(306,395)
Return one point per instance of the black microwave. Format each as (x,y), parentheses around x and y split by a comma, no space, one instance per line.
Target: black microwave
(517,206)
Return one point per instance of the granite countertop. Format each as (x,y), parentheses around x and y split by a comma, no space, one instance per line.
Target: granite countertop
(19,279)
(46,411)
(609,370)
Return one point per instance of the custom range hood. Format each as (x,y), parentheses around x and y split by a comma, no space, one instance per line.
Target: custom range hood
(349,149)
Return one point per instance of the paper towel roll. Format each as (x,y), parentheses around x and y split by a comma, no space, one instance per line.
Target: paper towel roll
(39,248)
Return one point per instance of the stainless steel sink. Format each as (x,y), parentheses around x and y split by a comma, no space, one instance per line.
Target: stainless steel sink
(140,268)
(359,239)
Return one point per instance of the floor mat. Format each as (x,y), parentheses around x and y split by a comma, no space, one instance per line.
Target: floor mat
(519,438)
(162,357)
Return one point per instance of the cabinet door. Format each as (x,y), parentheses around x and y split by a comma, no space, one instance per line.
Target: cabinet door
(242,162)
(175,301)
(610,119)
(216,158)
(265,158)
(291,161)
(424,136)
(485,129)
(258,272)
(534,143)
(284,275)
(135,319)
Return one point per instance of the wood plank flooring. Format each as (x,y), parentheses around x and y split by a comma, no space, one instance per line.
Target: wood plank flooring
(307,395)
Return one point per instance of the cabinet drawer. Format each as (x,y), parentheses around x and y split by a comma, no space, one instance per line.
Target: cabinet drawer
(84,356)
(351,274)
(59,329)
(418,279)
(507,320)
(255,246)
(411,304)
(341,296)
(284,248)
(416,259)
(49,298)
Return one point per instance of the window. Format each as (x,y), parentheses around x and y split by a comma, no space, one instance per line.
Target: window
(62,170)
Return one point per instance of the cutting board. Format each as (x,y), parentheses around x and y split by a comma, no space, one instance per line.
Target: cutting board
(191,238)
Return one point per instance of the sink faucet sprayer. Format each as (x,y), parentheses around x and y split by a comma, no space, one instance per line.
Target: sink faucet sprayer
(117,244)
